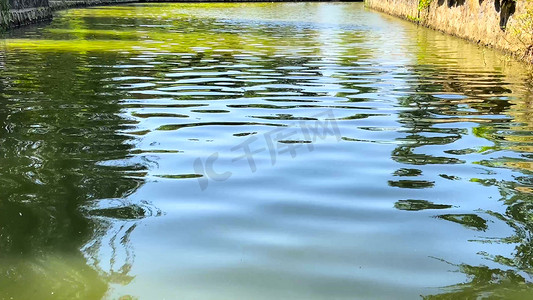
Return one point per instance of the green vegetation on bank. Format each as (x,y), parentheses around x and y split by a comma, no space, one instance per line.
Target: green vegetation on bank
(523,31)
(423,4)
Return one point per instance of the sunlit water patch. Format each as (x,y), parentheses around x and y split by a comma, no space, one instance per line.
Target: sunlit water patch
(260,151)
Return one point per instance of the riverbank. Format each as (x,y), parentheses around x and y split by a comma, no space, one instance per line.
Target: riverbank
(502,24)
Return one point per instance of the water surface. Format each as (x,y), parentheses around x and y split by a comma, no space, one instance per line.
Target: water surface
(261,151)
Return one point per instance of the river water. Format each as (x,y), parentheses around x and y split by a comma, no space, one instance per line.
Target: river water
(261,151)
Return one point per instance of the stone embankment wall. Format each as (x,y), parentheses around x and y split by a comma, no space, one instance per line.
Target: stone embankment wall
(503,24)
(15,13)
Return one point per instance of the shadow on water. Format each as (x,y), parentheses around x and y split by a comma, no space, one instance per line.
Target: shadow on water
(59,124)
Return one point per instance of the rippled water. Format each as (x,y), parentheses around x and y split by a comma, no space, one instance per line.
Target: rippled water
(261,151)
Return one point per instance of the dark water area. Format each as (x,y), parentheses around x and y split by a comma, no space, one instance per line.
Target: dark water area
(261,151)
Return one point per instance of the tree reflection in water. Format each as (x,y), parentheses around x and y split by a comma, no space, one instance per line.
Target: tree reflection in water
(61,152)
(507,132)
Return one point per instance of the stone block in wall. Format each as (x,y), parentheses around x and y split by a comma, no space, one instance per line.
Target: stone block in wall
(23,4)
